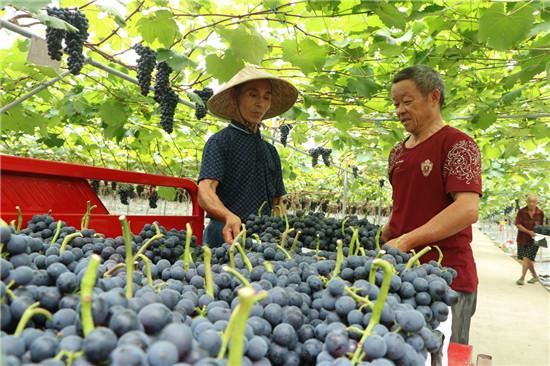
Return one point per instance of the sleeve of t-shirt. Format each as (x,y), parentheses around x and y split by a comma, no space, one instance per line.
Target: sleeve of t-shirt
(213,161)
(518,218)
(279,183)
(462,166)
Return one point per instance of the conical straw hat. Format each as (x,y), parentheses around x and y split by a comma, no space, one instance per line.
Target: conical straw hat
(283,94)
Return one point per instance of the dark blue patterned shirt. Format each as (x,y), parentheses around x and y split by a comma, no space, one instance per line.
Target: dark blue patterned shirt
(247,168)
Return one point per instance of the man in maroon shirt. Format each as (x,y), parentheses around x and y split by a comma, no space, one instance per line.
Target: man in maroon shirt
(436,179)
(526,219)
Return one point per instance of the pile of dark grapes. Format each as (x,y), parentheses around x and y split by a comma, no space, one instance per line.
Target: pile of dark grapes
(74,41)
(284,130)
(200,109)
(146,63)
(126,191)
(312,314)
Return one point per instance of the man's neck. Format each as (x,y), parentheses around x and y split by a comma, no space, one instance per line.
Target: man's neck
(252,126)
(428,130)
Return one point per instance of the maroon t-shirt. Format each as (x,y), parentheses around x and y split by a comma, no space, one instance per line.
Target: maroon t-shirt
(529,223)
(423,178)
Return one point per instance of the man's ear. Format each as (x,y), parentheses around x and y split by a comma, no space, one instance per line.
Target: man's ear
(436,96)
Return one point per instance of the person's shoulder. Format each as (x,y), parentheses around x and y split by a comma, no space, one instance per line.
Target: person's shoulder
(397,148)
(540,211)
(454,134)
(222,134)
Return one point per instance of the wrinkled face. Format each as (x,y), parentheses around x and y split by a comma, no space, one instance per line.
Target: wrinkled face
(254,100)
(413,109)
(532,202)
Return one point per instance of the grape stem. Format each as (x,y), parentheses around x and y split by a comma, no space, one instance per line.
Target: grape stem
(86,218)
(440,258)
(248,298)
(378,306)
(268,266)
(343,224)
(148,243)
(31,311)
(257,237)
(354,237)
(287,255)
(113,269)
(237,275)
(67,239)
(232,256)
(127,235)
(284,237)
(244,257)
(293,247)
(86,291)
(243,230)
(377,237)
(209,283)
(19,219)
(261,208)
(317,243)
(147,264)
(57,231)
(339,258)
(416,257)
(187,253)
(357,297)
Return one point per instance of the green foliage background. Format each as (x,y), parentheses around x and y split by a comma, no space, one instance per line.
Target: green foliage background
(494,56)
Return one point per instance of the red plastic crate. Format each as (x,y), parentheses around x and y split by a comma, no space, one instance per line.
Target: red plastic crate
(460,354)
(40,185)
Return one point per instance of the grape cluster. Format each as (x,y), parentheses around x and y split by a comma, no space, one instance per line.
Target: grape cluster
(284,129)
(165,96)
(541,229)
(146,64)
(201,110)
(314,153)
(381,183)
(74,41)
(168,106)
(126,191)
(113,185)
(95,185)
(140,189)
(153,198)
(324,153)
(355,171)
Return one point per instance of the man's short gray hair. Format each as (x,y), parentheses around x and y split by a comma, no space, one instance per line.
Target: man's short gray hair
(425,78)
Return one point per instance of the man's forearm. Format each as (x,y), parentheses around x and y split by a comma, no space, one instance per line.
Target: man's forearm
(212,204)
(448,222)
(523,229)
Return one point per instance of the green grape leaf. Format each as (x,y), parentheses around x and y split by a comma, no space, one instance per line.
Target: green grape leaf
(308,56)
(363,86)
(223,68)
(54,22)
(30,5)
(245,43)
(52,141)
(119,19)
(176,61)
(114,116)
(501,30)
(158,25)
(167,193)
(484,119)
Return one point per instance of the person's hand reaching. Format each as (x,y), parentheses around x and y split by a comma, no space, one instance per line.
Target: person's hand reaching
(231,229)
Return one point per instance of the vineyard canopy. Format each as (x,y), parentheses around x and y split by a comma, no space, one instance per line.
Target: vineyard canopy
(342,55)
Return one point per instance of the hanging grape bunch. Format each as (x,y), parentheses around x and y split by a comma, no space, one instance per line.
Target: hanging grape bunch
(200,110)
(355,171)
(325,154)
(381,183)
(74,41)
(126,191)
(113,186)
(314,153)
(140,189)
(146,64)
(95,185)
(284,129)
(54,37)
(165,96)
(153,198)
(168,109)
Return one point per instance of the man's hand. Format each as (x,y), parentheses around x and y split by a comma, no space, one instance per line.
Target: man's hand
(532,234)
(399,243)
(232,228)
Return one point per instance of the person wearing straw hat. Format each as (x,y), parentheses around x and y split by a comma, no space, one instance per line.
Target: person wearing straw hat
(239,170)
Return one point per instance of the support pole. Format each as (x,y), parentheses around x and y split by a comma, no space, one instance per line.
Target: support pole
(33,92)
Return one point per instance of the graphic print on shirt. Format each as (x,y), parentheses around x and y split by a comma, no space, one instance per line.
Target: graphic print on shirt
(426,167)
(464,162)
(394,156)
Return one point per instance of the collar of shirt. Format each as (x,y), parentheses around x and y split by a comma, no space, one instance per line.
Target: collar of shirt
(243,128)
